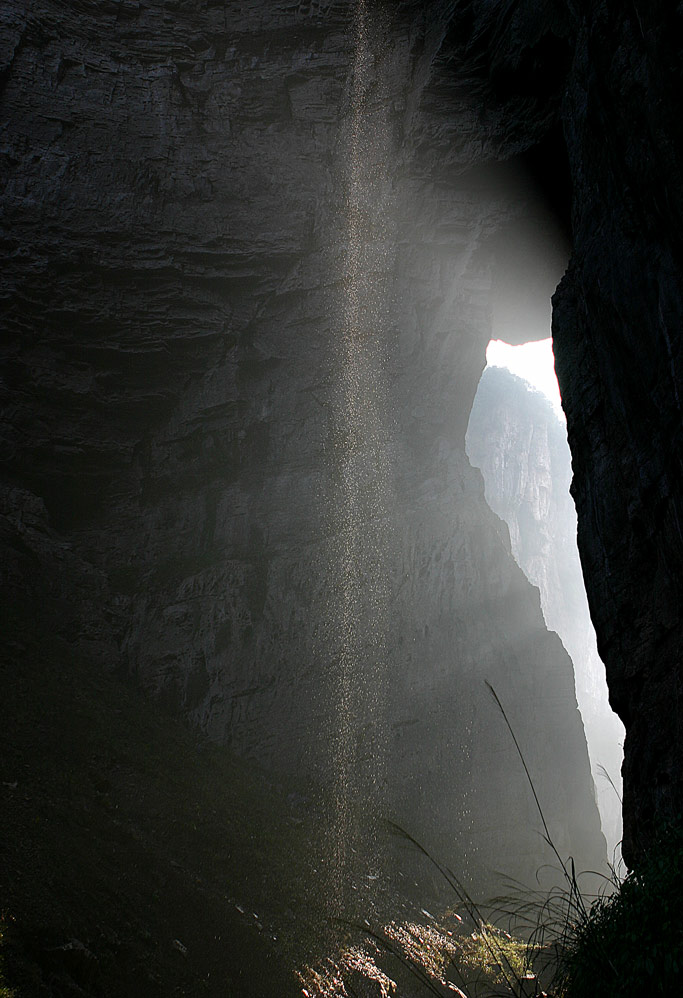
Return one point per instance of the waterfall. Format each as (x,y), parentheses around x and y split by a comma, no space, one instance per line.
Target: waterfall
(361,503)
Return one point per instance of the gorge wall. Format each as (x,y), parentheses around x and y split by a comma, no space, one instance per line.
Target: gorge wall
(519,442)
(616,330)
(172,290)
(252,254)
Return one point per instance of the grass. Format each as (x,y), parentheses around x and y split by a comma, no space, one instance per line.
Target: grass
(124,835)
(473,956)
(631,944)
(414,957)
(628,941)
(490,953)
(460,953)
(625,942)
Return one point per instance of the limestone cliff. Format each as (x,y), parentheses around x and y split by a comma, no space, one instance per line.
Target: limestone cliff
(616,329)
(252,253)
(609,74)
(520,444)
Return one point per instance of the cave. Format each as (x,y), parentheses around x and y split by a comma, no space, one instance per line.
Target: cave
(254,595)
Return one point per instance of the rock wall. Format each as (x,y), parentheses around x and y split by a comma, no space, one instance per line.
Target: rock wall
(519,442)
(616,328)
(251,260)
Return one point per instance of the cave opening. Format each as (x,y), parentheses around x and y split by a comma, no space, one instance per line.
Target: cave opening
(517,438)
(268,345)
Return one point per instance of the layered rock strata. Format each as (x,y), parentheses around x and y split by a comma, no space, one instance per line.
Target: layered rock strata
(251,261)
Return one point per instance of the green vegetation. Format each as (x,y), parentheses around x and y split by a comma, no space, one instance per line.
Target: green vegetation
(491,954)
(626,942)
(135,858)
(414,958)
(631,944)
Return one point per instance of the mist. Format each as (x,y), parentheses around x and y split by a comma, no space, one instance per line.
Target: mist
(519,442)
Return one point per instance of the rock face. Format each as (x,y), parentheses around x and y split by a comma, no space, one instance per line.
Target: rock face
(251,263)
(520,444)
(616,327)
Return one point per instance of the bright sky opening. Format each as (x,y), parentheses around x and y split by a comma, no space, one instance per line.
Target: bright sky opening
(532,361)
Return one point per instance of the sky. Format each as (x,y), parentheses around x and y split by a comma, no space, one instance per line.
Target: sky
(532,361)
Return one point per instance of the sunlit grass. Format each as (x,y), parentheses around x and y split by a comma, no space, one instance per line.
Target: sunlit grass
(432,957)
(331,979)
(489,951)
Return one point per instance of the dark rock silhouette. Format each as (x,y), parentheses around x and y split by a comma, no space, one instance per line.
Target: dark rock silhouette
(616,327)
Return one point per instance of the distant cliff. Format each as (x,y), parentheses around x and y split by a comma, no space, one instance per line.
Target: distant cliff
(519,442)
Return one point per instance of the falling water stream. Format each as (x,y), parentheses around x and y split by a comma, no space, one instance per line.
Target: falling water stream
(362,501)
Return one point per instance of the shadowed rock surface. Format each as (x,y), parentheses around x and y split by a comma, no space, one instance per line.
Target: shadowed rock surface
(183,408)
(616,329)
